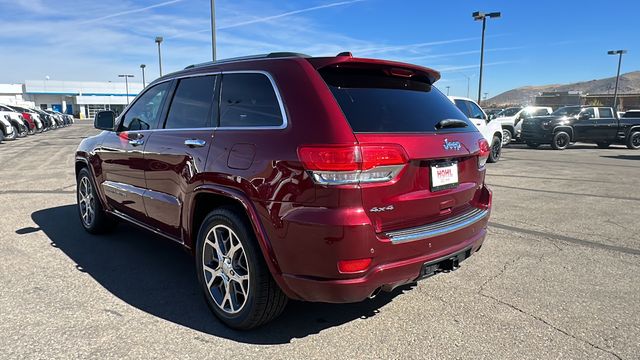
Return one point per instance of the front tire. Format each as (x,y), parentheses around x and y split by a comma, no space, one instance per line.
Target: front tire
(496,150)
(561,140)
(232,272)
(19,132)
(507,136)
(92,215)
(633,140)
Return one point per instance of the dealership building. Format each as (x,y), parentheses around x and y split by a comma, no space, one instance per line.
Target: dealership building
(79,98)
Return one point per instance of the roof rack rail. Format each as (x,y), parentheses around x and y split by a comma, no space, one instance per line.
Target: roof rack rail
(250,57)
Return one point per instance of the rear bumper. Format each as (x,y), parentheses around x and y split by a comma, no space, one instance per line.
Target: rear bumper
(383,277)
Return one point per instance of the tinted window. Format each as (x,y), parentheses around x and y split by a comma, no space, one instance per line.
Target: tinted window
(589,112)
(605,113)
(191,104)
(540,112)
(248,100)
(144,113)
(476,112)
(373,101)
(631,114)
(462,106)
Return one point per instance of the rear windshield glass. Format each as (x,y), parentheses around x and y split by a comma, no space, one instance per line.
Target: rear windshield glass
(373,101)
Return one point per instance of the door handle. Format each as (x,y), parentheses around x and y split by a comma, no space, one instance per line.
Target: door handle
(136,142)
(195,143)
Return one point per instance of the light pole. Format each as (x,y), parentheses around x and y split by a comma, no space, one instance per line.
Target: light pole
(126,84)
(142,66)
(448,90)
(468,77)
(159,41)
(213,29)
(482,16)
(615,94)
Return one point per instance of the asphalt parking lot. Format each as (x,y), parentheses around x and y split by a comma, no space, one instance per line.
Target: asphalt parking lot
(558,277)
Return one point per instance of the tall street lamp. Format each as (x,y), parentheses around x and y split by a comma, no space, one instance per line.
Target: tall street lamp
(144,84)
(615,94)
(482,16)
(213,29)
(158,41)
(468,77)
(448,90)
(126,82)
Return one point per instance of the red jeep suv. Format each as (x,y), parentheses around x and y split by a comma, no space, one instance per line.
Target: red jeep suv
(286,176)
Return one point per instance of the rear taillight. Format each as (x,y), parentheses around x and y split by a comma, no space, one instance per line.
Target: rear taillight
(353,164)
(485,149)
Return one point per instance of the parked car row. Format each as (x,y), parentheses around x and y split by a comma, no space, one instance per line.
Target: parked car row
(17,121)
(538,125)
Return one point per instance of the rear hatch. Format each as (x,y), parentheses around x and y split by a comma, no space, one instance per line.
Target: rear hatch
(389,103)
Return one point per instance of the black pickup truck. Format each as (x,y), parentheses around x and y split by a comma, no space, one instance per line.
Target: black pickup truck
(592,124)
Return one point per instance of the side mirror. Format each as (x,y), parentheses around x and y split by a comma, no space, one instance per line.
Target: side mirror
(104,120)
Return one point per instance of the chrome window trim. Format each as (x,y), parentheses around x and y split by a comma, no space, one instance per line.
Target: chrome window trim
(274,86)
(438,228)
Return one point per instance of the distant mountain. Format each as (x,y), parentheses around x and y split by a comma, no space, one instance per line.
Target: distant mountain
(629,83)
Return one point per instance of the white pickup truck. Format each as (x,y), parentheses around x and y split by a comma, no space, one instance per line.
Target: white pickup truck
(490,129)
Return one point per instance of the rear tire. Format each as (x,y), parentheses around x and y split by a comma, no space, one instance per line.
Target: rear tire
(603,145)
(496,150)
(533,145)
(633,140)
(92,215)
(561,140)
(233,274)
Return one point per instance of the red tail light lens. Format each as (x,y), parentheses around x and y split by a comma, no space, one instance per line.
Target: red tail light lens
(485,149)
(353,164)
(353,266)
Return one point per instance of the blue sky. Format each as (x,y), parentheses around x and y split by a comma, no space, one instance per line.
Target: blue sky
(534,43)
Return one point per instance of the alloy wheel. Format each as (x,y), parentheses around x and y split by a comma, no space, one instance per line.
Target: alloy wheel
(226,270)
(635,140)
(506,137)
(86,201)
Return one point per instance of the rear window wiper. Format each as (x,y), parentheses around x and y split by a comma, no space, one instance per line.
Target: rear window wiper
(451,123)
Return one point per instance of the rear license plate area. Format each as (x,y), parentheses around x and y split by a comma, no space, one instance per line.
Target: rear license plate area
(446,264)
(443,175)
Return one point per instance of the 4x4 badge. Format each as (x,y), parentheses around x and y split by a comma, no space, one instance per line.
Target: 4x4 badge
(452,145)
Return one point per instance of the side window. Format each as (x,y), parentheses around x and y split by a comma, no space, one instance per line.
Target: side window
(476,112)
(248,100)
(462,105)
(605,113)
(144,113)
(540,112)
(588,111)
(191,104)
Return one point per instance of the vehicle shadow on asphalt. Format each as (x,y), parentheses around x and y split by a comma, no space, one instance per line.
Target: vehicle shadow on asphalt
(156,276)
(622,157)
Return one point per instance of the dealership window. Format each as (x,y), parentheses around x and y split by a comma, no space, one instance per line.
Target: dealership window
(248,100)
(191,104)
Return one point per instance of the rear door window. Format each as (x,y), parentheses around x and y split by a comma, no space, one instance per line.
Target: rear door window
(374,102)
(605,113)
(192,103)
(476,112)
(249,100)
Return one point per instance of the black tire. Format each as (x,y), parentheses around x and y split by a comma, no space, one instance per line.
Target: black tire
(496,150)
(14,135)
(100,221)
(561,140)
(264,300)
(533,145)
(633,140)
(603,145)
(1,137)
(507,136)
(31,131)
(20,132)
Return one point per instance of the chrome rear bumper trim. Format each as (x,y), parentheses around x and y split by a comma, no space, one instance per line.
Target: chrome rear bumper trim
(438,228)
